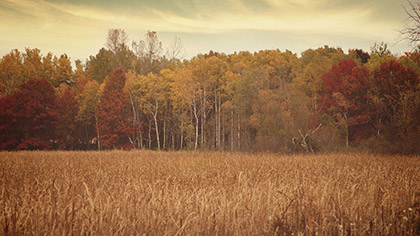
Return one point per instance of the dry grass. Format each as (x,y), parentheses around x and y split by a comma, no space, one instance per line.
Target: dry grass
(157,193)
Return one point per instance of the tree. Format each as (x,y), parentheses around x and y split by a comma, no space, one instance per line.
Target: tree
(28,116)
(113,121)
(130,91)
(267,119)
(395,96)
(64,72)
(362,56)
(379,54)
(154,90)
(390,81)
(11,72)
(175,49)
(67,108)
(148,52)
(345,98)
(99,66)
(117,43)
(411,31)
(86,115)
(185,94)
(32,61)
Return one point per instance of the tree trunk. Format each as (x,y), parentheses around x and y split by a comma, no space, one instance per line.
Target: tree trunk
(232,132)
(134,121)
(98,134)
(182,136)
(164,134)
(196,125)
(239,133)
(203,118)
(347,131)
(173,141)
(219,106)
(157,132)
(150,134)
(222,130)
(216,120)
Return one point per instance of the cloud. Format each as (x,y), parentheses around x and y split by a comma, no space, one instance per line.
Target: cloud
(81,25)
(211,16)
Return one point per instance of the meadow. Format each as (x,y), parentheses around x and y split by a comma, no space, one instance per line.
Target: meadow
(207,193)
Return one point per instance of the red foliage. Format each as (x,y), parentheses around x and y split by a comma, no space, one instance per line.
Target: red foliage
(28,116)
(345,95)
(113,121)
(66,128)
(389,82)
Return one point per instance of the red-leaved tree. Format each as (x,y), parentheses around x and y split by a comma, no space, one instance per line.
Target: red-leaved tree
(396,106)
(112,117)
(66,128)
(345,97)
(28,116)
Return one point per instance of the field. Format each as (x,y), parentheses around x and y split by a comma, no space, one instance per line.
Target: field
(186,193)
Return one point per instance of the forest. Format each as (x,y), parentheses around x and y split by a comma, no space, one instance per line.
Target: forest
(136,95)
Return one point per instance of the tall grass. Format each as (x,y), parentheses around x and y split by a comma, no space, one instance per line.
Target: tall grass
(183,193)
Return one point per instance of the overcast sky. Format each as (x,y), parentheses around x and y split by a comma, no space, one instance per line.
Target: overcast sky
(79,27)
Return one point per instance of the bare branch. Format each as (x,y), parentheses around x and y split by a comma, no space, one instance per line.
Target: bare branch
(411,31)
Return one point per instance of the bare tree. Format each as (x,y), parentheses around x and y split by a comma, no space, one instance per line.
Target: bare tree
(304,140)
(117,43)
(117,38)
(175,49)
(411,31)
(148,51)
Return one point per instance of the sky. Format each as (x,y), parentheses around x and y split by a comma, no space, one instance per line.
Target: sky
(79,27)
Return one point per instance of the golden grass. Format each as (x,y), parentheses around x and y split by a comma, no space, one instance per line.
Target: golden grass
(185,193)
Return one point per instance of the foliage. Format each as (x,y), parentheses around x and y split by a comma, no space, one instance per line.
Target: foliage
(345,98)
(67,108)
(324,100)
(113,123)
(28,116)
(395,96)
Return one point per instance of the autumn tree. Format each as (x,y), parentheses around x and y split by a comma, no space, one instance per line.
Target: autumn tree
(185,101)
(28,116)
(63,71)
(32,61)
(395,93)
(134,98)
(379,54)
(360,55)
(11,72)
(113,122)
(99,66)
(67,108)
(267,119)
(17,67)
(345,98)
(86,115)
(154,90)
(306,89)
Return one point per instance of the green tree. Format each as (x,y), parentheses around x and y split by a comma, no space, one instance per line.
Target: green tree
(99,66)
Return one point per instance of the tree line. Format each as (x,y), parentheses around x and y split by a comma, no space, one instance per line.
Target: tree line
(135,96)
